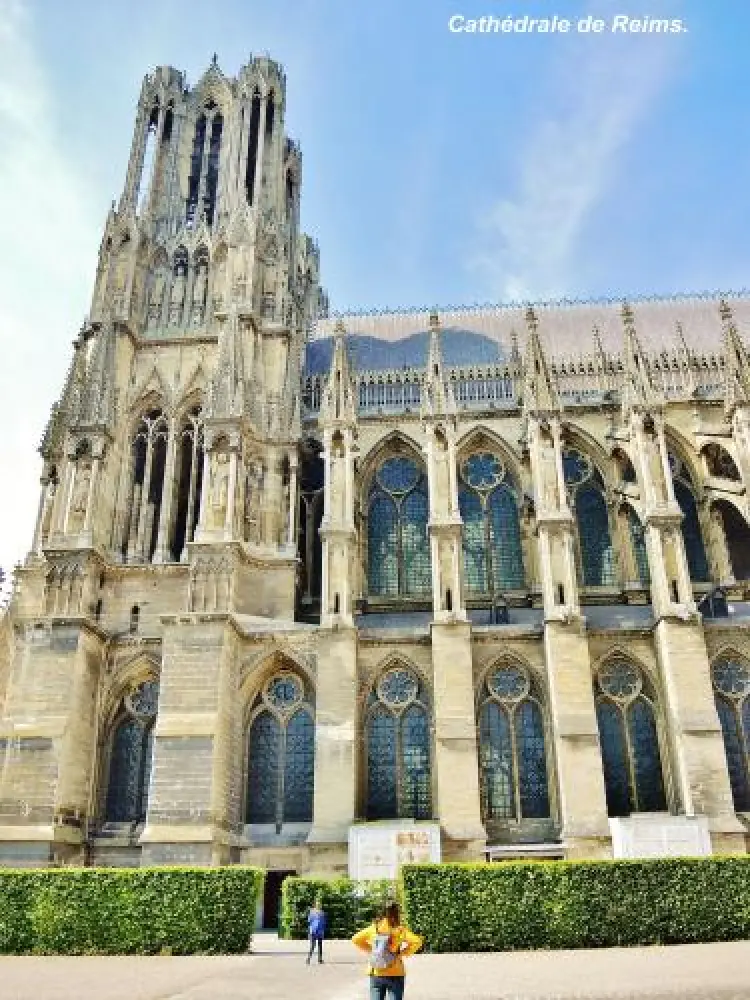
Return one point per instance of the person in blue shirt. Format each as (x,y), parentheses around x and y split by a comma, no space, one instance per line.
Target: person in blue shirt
(316,929)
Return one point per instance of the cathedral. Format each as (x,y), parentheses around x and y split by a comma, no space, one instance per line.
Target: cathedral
(294,574)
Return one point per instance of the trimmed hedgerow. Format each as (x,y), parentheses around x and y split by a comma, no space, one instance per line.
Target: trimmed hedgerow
(577,904)
(349,905)
(145,911)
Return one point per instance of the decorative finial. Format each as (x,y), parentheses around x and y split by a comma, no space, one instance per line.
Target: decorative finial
(215,61)
(627,314)
(434,320)
(531,319)
(596,333)
(724,311)
(339,330)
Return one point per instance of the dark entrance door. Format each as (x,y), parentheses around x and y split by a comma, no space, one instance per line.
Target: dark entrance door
(272,899)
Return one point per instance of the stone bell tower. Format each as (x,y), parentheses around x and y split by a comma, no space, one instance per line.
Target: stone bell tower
(170,463)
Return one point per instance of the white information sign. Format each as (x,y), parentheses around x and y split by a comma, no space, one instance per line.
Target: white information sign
(659,835)
(376,850)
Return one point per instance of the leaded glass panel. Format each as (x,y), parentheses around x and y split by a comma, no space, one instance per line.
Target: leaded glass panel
(382,793)
(649,783)
(638,541)
(576,467)
(532,761)
(735,749)
(125,795)
(398,475)
(508,683)
(619,680)
(691,533)
(264,753)
(474,541)
(496,762)
(397,687)
(483,471)
(415,544)
(299,766)
(597,556)
(732,678)
(415,772)
(614,757)
(143,701)
(382,544)
(284,691)
(148,760)
(505,539)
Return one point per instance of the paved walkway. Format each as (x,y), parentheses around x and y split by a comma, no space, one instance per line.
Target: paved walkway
(276,971)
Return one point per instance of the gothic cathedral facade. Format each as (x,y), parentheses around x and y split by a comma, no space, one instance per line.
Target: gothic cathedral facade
(488,568)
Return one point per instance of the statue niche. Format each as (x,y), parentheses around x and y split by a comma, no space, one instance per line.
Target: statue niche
(218,491)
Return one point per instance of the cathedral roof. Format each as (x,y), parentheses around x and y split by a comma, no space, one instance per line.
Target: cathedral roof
(374,353)
(566,328)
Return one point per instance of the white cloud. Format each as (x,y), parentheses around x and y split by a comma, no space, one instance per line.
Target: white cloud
(599,92)
(46,261)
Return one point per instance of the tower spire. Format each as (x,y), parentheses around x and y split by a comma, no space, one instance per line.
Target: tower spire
(539,393)
(638,390)
(338,405)
(437,396)
(736,365)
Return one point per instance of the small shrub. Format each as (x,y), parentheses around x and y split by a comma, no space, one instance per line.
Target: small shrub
(348,905)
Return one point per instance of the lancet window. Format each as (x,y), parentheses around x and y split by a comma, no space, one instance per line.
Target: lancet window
(512,754)
(281,753)
(736,533)
(398,546)
(189,482)
(638,547)
(631,756)
(148,462)
(398,747)
(488,501)
(130,752)
(310,517)
(149,155)
(731,683)
(586,494)
(692,535)
(252,146)
(204,166)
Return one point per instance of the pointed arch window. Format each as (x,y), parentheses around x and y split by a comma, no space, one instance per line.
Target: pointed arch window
(196,167)
(398,748)
(488,501)
(586,494)
(398,547)
(281,754)
(309,547)
(189,481)
(731,682)
(737,536)
(631,756)
(131,749)
(252,146)
(148,462)
(638,545)
(695,548)
(513,773)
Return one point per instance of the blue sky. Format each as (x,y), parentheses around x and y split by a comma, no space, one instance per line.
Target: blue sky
(438,168)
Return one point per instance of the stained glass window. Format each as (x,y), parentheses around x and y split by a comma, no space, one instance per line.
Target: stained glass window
(398,546)
(487,500)
(512,754)
(731,679)
(398,749)
(586,494)
(695,550)
(130,756)
(638,542)
(633,775)
(281,755)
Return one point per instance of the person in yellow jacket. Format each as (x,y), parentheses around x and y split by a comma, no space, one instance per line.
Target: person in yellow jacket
(388,942)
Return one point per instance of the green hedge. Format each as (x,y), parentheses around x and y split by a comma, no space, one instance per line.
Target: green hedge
(349,905)
(577,904)
(181,911)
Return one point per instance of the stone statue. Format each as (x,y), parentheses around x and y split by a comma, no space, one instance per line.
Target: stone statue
(199,295)
(80,498)
(177,298)
(219,490)
(156,298)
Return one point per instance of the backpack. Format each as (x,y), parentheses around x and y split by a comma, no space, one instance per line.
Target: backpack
(382,954)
